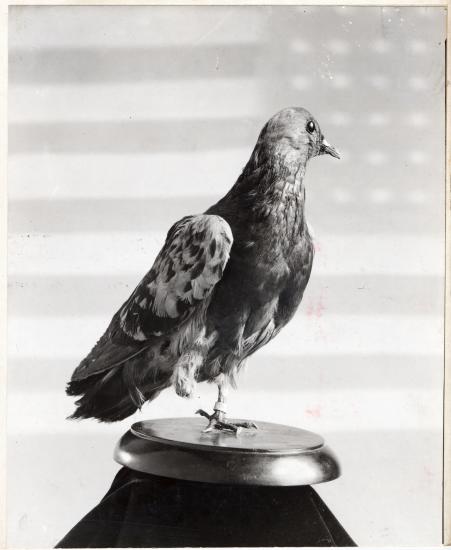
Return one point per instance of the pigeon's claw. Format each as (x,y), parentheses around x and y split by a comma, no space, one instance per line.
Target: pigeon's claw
(217,421)
(212,420)
(204,413)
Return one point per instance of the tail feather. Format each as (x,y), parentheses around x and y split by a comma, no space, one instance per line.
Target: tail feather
(116,394)
(133,382)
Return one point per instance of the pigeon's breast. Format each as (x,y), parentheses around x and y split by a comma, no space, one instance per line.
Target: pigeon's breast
(300,267)
(260,288)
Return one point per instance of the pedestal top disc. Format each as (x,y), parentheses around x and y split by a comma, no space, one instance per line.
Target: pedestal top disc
(273,454)
(267,438)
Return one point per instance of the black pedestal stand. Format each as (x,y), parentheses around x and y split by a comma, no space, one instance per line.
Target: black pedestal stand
(182,488)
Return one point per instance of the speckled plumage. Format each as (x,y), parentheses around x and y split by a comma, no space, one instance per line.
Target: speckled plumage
(223,285)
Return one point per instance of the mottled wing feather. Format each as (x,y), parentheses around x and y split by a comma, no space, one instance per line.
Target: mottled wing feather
(184,274)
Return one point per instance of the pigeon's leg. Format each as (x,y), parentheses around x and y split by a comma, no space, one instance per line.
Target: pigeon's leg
(217,420)
(218,417)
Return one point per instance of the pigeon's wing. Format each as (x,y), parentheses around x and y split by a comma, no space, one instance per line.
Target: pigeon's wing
(184,274)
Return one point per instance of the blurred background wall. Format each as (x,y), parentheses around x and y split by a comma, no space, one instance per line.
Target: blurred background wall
(124,119)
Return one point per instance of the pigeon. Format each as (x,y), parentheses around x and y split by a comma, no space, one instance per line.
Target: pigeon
(223,285)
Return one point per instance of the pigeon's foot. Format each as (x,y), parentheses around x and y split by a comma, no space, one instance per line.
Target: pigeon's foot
(218,421)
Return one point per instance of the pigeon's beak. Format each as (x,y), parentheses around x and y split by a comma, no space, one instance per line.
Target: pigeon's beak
(326,149)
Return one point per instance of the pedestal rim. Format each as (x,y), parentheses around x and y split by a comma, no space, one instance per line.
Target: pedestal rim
(209,464)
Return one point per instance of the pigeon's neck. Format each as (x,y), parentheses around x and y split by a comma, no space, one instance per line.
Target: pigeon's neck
(273,194)
(274,184)
(284,203)
(289,185)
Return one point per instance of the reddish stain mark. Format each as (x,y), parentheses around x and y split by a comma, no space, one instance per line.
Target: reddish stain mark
(314,411)
(316,309)
(317,246)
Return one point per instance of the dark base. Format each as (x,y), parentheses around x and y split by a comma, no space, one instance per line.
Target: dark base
(141,510)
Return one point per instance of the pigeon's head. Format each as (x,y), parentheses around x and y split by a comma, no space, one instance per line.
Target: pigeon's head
(295,135)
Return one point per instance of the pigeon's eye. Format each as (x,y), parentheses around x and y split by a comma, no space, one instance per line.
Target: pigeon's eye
(310,127)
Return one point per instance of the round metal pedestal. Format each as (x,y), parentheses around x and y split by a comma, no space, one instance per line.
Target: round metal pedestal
(273,455)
